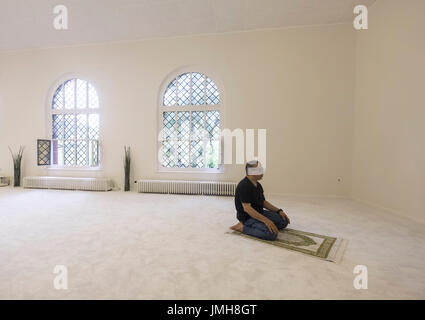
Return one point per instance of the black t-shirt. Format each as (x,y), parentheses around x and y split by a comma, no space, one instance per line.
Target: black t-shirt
(246,192)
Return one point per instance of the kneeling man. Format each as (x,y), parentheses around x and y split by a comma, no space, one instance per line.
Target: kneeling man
(250,204)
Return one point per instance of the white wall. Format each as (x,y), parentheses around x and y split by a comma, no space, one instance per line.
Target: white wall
(389,139)
(298,83)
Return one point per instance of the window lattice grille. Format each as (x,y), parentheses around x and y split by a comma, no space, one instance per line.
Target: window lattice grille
(197,123)
(168,154)
(191,138)
(70,94)
(94,153)
(94,126)
(82,152)
(81,126)
(198,89)
(213,124)
(57,126)
(213,96)
(171,94)
(75,124)
(182,154)
(183,89)
(69,152)
(69,124)
(43,152)
(81,94)
(191,89)
(183,125)
(197,154)
(184,147)
(58,98)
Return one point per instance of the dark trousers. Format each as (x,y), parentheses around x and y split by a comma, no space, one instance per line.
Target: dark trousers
(256,228)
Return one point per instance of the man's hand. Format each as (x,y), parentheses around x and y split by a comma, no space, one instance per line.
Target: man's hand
(272,208)
(258,216)
(284,216)
(271,226)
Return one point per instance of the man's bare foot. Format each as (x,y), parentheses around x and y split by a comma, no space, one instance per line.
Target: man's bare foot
(237,227)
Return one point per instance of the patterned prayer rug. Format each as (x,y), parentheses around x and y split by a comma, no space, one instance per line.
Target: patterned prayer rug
(316,245)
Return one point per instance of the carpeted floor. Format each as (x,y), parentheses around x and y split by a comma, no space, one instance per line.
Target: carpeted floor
(138,246)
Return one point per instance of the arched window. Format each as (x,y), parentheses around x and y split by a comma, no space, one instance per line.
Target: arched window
(75,124)
(189,114)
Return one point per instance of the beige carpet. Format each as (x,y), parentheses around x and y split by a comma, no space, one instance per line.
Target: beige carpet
(137,246)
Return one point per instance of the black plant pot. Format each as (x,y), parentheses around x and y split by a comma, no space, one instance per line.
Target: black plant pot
(17,160)
(127,181)
(127,168)
(17,177)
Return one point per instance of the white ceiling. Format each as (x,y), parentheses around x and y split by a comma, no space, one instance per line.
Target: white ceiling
(29,23)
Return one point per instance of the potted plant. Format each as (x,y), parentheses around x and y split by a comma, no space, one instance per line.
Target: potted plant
(17,160)
(127,162)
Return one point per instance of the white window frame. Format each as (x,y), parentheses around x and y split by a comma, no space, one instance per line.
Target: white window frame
(75,111)
(211,107)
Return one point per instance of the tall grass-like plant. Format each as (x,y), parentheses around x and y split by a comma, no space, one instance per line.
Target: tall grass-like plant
(127,162)
(17,160)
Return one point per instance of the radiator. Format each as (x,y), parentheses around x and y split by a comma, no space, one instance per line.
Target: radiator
(218,188)
(68,183)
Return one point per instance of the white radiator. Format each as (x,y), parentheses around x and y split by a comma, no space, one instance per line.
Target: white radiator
(218,188)
(68,183)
